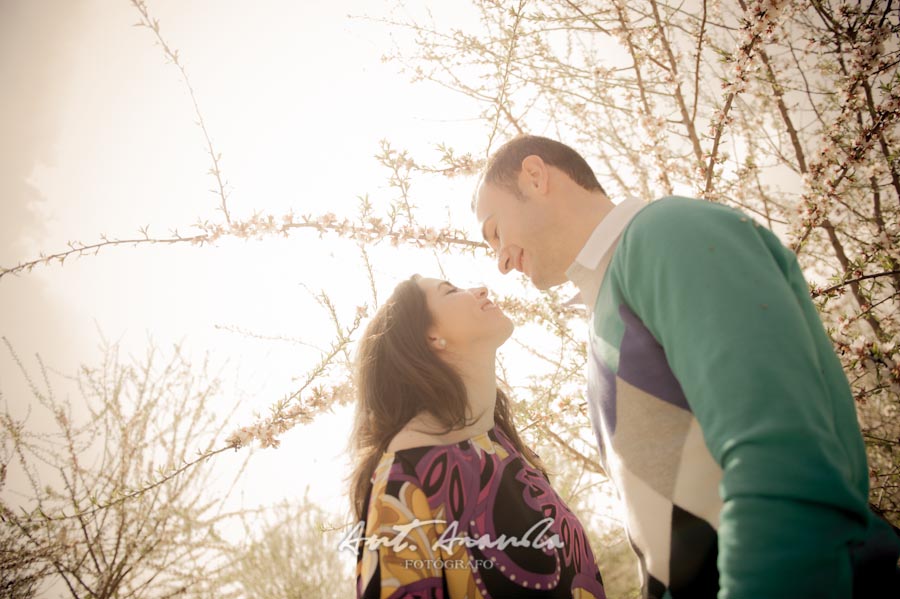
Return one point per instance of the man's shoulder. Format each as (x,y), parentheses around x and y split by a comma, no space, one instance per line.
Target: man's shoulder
(681,207)
(669,215)
(671,225)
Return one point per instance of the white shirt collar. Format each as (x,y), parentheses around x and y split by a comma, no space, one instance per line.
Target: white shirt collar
(590,265)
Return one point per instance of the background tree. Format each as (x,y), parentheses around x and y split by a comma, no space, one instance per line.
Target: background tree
(93,517)
(289,553)
(22,566)
(787,111)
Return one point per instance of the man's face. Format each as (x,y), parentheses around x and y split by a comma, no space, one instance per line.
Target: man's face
(522,233)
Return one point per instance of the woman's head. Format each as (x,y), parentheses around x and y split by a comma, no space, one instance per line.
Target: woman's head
(405,366)
(461,321)
(398,370)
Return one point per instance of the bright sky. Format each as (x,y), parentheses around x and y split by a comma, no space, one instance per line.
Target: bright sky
(296,100)
(99,138)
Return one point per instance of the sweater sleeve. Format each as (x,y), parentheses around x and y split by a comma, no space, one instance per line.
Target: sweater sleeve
(711,286)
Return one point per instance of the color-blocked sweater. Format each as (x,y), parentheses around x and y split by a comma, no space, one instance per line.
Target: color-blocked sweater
(722,414)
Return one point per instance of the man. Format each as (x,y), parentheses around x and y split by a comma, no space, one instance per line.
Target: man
(721,412)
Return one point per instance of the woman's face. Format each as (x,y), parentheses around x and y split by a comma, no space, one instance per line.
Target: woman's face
(465,318)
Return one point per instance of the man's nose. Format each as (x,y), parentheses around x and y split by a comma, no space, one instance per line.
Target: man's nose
(505,261)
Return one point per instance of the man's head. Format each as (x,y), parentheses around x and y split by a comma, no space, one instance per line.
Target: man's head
(537,202)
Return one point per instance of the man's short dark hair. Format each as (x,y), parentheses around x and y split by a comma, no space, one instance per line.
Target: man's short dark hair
(505,163)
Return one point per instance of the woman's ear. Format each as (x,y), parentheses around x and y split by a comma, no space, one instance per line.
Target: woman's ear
(438,342)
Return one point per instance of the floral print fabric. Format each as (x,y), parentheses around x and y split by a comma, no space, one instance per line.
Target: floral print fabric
(475,520)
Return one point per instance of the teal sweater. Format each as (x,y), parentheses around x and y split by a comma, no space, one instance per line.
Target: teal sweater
(723,415)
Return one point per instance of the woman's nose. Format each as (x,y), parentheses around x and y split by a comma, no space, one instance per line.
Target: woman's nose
(478,292)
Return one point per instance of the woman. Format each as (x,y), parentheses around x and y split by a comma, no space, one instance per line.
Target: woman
(451,503)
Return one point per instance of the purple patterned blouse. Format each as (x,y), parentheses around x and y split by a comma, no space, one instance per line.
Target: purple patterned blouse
(473,519)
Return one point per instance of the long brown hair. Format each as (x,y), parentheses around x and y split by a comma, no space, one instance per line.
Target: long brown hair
(397,377)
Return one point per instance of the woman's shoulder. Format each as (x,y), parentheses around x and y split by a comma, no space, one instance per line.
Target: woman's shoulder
(408,439)
(412,436)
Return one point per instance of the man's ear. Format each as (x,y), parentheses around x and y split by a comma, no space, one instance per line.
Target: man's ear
(533,178)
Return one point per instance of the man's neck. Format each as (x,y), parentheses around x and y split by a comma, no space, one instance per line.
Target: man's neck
(587,209)
(590,262)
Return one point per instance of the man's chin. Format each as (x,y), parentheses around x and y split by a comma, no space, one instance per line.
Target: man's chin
(545,283)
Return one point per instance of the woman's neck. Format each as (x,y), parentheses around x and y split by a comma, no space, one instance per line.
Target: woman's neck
(479,376)
(480,380)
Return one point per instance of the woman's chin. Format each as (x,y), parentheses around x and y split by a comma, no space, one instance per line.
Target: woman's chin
(508,331)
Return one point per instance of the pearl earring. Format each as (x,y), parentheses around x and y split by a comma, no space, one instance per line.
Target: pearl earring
(442,343)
